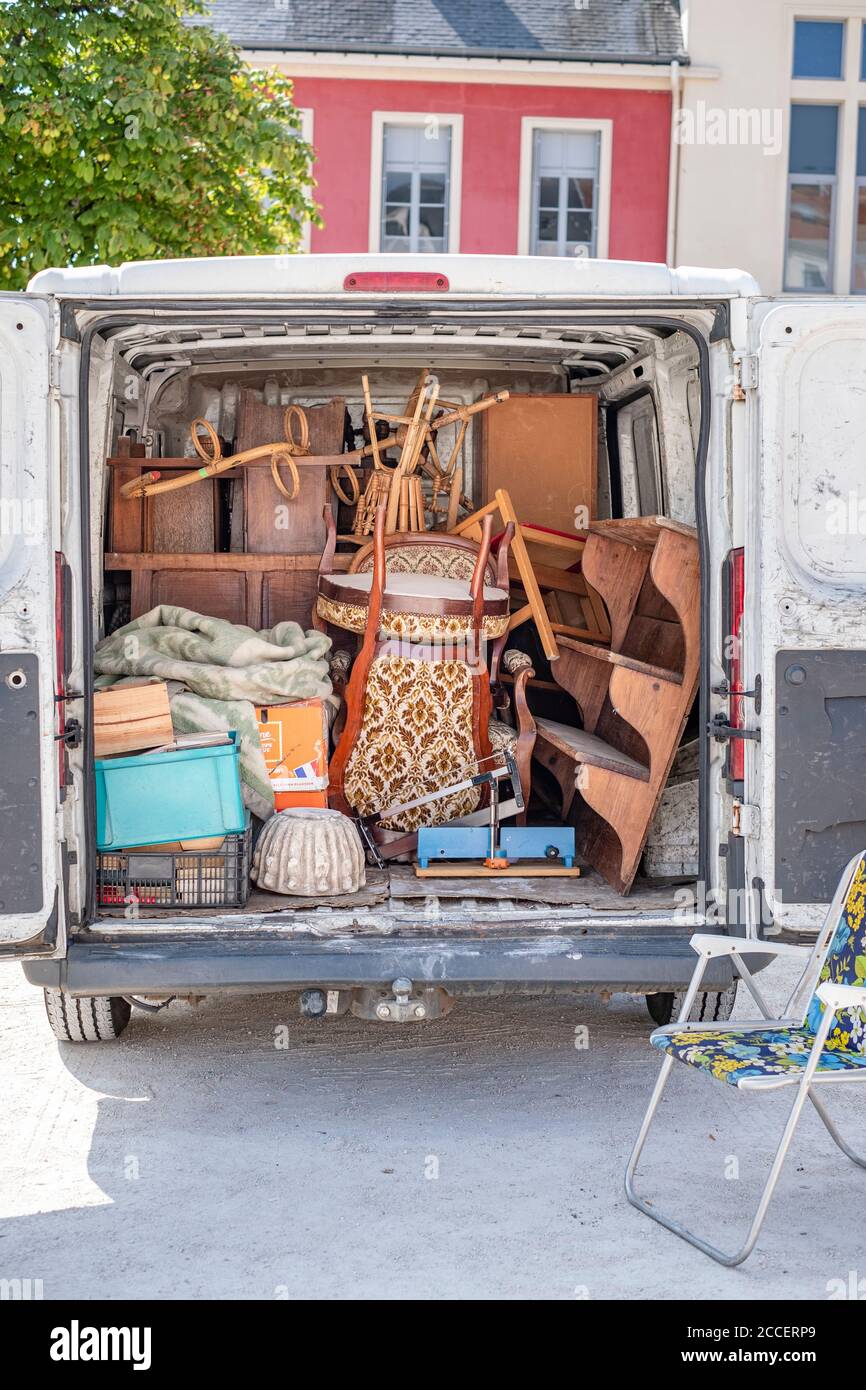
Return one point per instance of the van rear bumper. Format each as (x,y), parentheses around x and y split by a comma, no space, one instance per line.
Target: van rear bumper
(157,967)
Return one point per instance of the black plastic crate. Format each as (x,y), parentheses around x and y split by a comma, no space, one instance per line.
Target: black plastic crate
(162,879)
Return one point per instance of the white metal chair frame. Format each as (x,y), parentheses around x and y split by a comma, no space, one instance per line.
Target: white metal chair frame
(833,996)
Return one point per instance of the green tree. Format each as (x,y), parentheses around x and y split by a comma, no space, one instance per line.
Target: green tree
(128,132)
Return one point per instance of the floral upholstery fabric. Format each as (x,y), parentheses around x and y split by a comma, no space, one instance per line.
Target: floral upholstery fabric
(502,736)
(447,561)
(412,627)
(738,1056)
(415,737)
(845,964)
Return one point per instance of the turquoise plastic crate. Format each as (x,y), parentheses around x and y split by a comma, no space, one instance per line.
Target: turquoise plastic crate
(153,797)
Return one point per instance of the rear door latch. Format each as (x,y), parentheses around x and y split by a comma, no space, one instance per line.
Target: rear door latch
(72,734)
(722,732)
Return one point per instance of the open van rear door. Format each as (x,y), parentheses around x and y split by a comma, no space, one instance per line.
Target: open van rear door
(804,629)
(31,662)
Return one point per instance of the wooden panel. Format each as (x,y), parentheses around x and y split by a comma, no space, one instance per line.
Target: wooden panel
(271,523)
(218,595)
(288,596)
(258,590)
(184,522)
(542,451)
(126,515)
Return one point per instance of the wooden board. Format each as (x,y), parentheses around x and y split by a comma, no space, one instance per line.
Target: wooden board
(131,718)
(125,515)
(542,451)
(589,892)
(271,524)
(468,870)
(374,892)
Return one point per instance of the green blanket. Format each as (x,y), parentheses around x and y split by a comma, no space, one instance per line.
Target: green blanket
(225,670)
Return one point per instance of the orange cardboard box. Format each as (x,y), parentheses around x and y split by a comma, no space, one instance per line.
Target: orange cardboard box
(284,801)
(295,745)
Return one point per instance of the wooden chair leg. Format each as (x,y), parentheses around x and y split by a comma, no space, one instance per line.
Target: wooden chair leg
(518,664)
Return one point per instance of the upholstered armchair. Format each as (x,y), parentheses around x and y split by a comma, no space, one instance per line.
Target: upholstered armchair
(418,700)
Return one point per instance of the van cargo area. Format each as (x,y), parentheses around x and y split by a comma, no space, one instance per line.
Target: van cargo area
(214,548)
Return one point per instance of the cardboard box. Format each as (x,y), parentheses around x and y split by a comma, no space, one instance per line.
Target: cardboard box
(295,746)
(284,801)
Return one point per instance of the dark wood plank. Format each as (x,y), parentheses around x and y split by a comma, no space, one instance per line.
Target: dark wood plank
(271,523)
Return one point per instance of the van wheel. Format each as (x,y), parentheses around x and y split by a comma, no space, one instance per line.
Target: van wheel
(90,1018)
(707,1008)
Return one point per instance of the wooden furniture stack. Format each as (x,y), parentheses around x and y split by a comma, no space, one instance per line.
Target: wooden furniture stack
(634,698)
(167,543)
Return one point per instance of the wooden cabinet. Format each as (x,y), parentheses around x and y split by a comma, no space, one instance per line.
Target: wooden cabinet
(256,590)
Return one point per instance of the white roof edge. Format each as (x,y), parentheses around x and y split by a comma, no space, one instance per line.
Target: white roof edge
(233,276)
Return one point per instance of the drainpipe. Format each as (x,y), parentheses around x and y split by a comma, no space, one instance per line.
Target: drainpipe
(674,165)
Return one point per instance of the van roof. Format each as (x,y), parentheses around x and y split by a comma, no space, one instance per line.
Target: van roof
(222,276)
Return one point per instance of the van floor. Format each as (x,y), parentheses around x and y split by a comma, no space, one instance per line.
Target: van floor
(395,897)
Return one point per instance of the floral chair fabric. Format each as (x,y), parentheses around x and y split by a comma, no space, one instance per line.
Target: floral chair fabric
(415,737)
(735,1057)
(446,561)
(845,964)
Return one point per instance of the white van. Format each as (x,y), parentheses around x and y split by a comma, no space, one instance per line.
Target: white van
(742,416)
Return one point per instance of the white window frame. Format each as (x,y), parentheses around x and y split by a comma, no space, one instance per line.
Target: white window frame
(306,115)
(604,128)
(455,176)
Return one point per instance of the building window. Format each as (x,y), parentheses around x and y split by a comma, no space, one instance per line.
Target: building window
(863,52)
(818,48)
(565,169)
(564,205)
(811,197)
(415,195)
(858,275)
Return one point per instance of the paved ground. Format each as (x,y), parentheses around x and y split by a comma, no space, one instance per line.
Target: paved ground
(478,1157)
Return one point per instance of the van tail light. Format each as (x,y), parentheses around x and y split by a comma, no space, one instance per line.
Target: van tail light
(396,281)
(736,598)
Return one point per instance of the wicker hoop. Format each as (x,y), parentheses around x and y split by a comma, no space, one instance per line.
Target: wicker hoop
(355,486)
(282,456)
(294,414)
(211,450)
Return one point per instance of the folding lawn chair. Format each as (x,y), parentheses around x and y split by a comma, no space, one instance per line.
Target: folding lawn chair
(828,1045)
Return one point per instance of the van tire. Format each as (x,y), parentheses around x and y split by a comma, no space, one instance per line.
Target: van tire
(708,1008)
(87,1018)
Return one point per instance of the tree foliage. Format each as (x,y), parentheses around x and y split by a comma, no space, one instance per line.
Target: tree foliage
(131,130)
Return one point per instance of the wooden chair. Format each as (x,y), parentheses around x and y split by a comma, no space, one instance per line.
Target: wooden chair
(633,698)
(534,577)
(417,711)
(823,1049)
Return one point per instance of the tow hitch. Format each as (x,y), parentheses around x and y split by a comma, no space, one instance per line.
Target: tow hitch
(402,1003)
